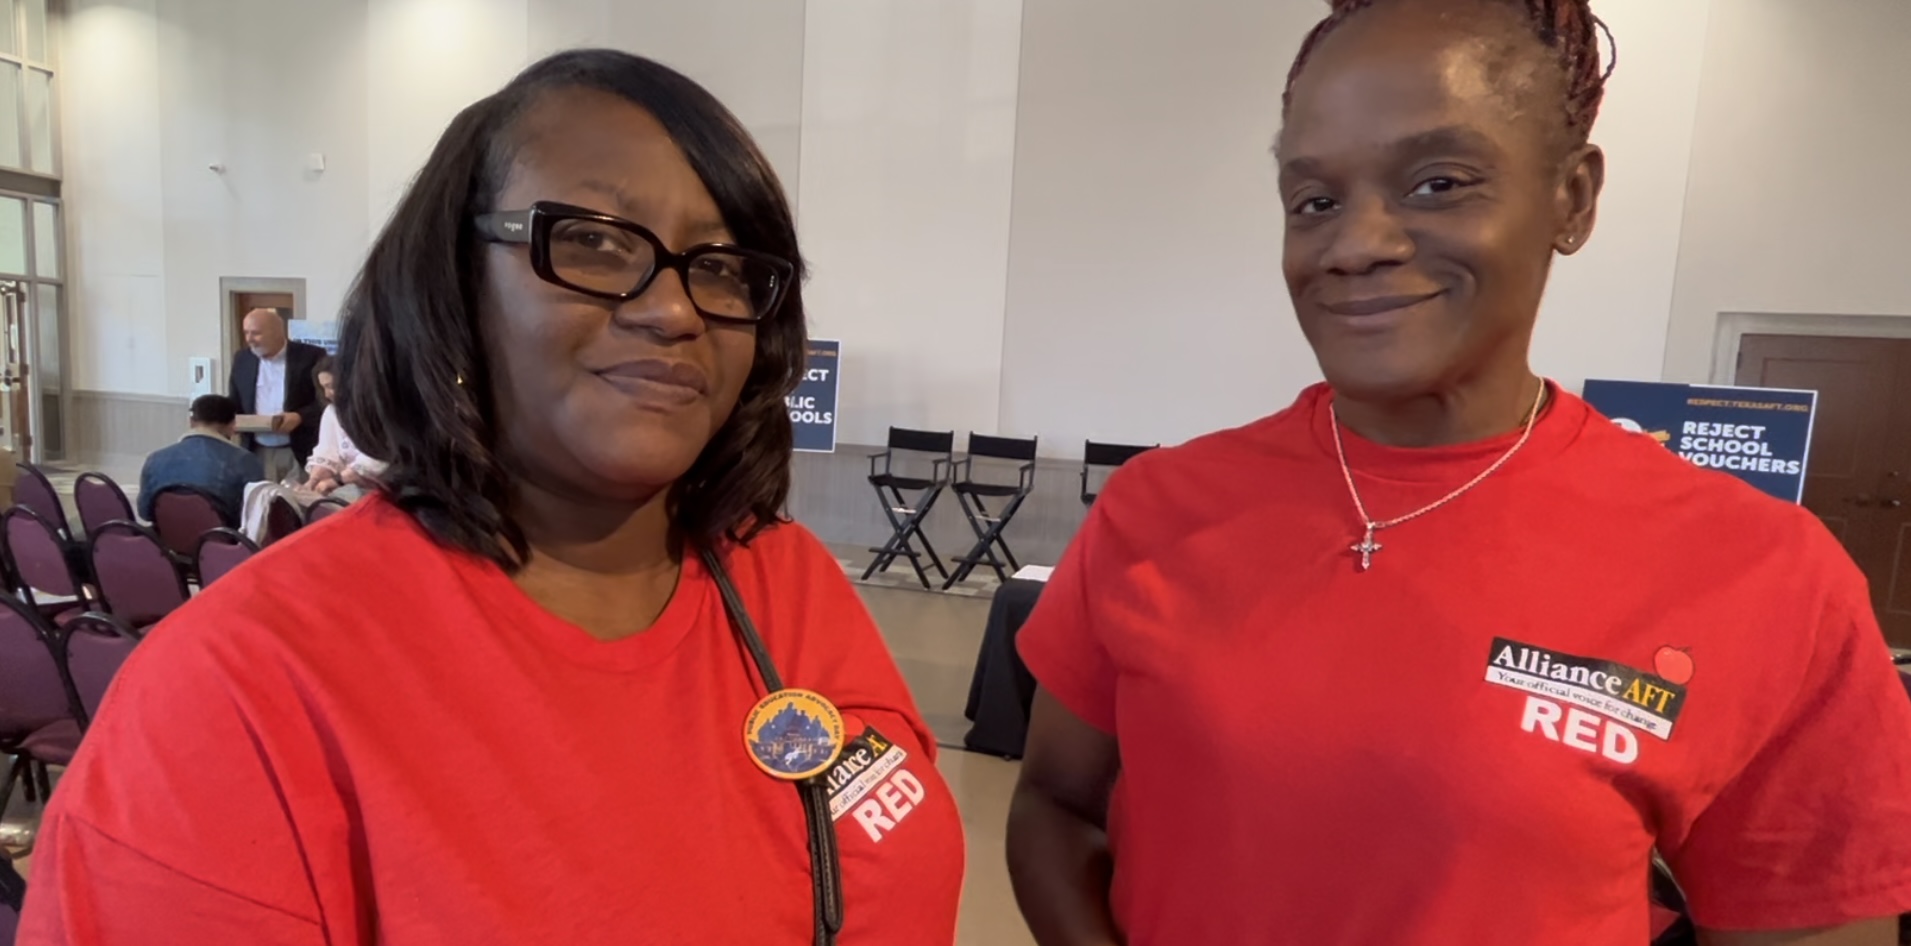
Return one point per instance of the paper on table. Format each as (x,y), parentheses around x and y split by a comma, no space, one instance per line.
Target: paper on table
(1035,572)
(254,423)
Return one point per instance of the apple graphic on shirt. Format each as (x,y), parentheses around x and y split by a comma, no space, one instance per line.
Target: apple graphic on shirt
(1674,665)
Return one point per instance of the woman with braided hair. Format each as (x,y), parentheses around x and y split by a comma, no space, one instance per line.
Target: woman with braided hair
(1438,655)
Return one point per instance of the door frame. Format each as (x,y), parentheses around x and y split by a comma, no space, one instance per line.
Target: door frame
(1734,326)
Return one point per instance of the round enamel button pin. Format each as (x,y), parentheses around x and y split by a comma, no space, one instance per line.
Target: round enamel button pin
(793,734)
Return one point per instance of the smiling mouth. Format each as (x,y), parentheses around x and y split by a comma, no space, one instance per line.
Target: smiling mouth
(1377,305)
(658,382)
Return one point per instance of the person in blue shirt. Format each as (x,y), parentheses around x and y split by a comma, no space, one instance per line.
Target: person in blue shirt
(205,458)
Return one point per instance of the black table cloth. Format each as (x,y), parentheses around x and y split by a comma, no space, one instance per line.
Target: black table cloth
(1002,689)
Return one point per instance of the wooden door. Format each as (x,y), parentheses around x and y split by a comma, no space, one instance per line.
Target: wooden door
(1859,479)
(243,302)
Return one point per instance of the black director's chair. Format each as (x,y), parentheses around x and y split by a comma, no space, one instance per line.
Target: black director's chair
(905,515)
(986,525)
(1104,456)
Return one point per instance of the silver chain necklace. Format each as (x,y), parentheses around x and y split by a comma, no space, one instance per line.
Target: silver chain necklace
(1367,546)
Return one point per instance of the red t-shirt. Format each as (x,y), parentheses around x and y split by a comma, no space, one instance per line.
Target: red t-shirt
(364,738)
(1599,650)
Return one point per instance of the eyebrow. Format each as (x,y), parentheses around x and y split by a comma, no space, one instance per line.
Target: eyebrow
(1448,138)
(699,231)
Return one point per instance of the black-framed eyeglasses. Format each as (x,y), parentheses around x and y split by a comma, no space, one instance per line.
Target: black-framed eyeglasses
(612,258)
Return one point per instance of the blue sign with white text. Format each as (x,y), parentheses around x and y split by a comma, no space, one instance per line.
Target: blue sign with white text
(1760,435)
(813,405)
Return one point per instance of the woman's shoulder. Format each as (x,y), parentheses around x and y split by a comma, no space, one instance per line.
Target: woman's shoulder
(782,548)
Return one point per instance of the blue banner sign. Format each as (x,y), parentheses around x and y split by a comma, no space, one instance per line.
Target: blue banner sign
(1760,435)
(813,406)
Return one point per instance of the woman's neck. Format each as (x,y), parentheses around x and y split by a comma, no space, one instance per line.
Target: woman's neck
(608,567)
(1480,410)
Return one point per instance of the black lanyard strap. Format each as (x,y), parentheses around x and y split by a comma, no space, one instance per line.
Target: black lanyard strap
(826,866)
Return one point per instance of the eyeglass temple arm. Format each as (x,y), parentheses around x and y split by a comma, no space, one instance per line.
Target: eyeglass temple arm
(508,227)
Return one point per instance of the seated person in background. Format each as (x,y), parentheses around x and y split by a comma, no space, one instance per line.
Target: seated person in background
(205,458)
(337,467)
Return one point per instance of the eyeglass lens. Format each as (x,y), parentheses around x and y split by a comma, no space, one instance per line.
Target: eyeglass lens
(601,257)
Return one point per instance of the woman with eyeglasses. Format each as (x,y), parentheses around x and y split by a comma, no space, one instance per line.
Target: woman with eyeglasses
(1438,655)
(572,679)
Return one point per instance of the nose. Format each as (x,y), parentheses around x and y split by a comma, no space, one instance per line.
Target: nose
(1367,236)
(664,308)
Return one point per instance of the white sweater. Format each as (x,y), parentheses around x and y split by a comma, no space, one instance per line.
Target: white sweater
(336,453)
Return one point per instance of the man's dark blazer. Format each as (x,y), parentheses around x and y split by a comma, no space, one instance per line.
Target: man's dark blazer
(301,393)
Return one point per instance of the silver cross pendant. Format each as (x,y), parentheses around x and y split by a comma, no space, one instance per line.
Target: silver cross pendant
(1367,548)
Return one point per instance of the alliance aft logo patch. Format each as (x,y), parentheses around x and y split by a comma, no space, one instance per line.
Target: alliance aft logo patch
(868,783)
(1621,694)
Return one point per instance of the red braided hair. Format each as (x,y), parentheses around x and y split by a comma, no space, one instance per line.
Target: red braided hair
(1567,28)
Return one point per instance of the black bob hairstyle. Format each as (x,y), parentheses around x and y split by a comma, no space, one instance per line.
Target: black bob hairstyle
(413,379)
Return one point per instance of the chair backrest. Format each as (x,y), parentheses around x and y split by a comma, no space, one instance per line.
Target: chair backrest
(94,646)
(1002,448)
(325,507)
(101,501)
(181,514)
(282,519)
(1111,454)
(922,441)
(220,551)
(1105,456)
(32,692)
(34,491)
(139,582)
(37,554)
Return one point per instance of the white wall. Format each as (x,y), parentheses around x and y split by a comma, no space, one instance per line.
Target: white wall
(908,158)
(1798,201)
(154,91)
(116,256)
(1145,296)
(1051,217)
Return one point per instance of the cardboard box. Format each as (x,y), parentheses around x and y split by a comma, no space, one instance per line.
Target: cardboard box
(255,423)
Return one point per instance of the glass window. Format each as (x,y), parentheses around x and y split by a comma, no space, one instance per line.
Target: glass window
(36,30)
(46,240)
(40,120)
(9,38)
(10,154)
(46,317)
(47,365)
(13,236)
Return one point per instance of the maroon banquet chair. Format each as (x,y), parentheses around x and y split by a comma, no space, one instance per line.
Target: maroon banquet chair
(39,562)
(220,551)
(282,518)
(181,514)
(100,501)
(93,646)
(36,707)
(139,582)
(323,509)
(34,491)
